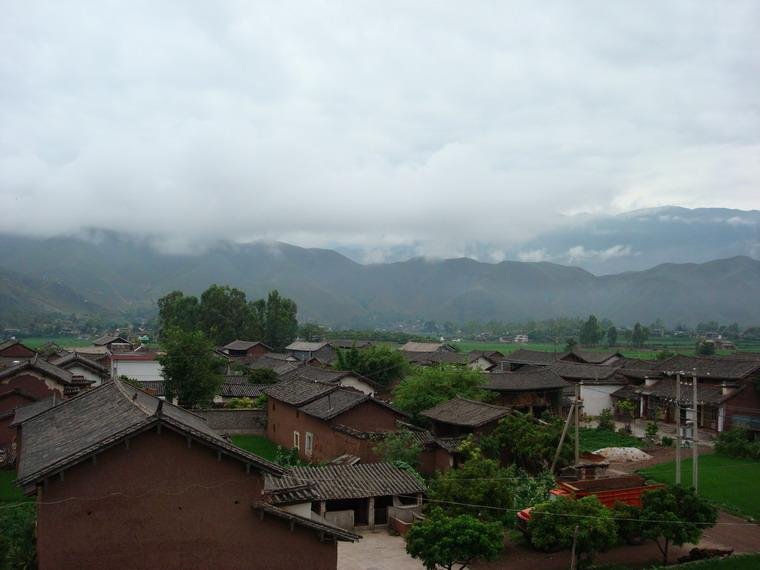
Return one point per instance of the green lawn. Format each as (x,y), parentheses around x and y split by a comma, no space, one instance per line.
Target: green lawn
(726,481)
(593,439)
(257,444)
(9,492)
(746,562)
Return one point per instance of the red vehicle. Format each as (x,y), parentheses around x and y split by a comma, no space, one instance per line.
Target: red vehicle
(609,490)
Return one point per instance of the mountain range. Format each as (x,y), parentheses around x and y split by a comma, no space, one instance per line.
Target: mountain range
(113,274)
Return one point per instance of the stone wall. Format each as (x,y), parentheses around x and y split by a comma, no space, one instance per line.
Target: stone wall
(236,422)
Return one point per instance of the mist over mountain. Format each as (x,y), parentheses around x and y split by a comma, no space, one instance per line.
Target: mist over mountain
(113,273)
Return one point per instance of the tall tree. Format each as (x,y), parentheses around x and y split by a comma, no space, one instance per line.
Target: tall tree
(192,372)
(223,314)
(281,325)
(175,310)
(612,336)
(590,331)
(675,515)
(639,335)
(428,387)
(444,541)
(380,363)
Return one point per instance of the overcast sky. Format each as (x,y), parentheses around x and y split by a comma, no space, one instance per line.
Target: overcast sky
(371,124)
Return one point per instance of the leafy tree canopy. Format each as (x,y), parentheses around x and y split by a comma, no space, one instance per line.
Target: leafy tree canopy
(224,314)
(427,387)
(192,372)
(444,541)
(379,363)
(401,446)
(675,515)
(591,331)
(553,525)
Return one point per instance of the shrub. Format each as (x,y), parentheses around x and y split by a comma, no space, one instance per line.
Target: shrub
(666,441)
(737,442)
(651,431)
(605,420)
(17,541)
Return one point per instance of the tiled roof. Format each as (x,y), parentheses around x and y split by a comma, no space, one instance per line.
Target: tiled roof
(303,346)
(597,357)
(315,374)
(589,373)
(41,365)
(108,339)
(719,367)
(364,480)
(412,346)
(298,392)
(522,381)
(436,357)
(244,345)
(706,393)
(463,412)
(242,390)
(349,343)
(74,358)
(29,411)
(280,366)
(334,403)
(637,363)
(525,356)
(154,387)
(315,523)
(99,418)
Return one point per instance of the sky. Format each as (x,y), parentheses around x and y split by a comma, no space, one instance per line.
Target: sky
(372,126)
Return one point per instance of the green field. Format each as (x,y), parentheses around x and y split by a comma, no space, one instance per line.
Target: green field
(256,444)
(726,481)
(649,352)
(62,341)
(593,439)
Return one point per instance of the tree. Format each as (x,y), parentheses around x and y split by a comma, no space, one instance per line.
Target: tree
(428,387)
(17,537)
(311,332)
(478,481)
(553,525)
(590,333)
(570,344)
(224,314)
(612,336)
(528,443)
(675,515)
(192,372)
(639,336)
(400,447)
(175,310)
(379,363)
(705,348)
(444,541)
(281,325)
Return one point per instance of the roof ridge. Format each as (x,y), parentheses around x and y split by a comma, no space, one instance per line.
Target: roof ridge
(73,398)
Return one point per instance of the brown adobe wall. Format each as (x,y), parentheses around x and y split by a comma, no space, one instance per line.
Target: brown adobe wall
(17,351)
(175,508)
(745,403)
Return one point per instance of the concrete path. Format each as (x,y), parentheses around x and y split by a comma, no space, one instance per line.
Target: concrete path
(376,551)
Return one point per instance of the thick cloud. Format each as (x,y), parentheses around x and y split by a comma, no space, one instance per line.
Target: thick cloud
(435,126)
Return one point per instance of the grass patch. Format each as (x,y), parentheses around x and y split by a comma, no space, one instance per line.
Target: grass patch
(593,439)
(9,491)
(62,341)
(726,481)
(256,444)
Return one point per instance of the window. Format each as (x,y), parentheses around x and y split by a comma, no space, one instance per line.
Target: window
(309,443)
(297,440)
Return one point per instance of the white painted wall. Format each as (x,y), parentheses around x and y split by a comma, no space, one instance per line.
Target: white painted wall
(300,509)
(86,373)
(596,398)
(142,370)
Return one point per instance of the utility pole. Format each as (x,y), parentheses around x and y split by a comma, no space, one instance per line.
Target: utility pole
(572,552)
(694,450)
(562,437)
(678,428)
(578,407)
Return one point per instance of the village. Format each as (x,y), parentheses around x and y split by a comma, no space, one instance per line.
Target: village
(349,454)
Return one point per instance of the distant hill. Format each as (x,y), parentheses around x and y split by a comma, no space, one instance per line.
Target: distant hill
(22,297)
(114,273)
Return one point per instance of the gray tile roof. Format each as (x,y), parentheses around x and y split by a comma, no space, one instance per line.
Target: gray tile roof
(325,375)
(41,365)
(427,358)
(74,358)
(242,390)
(155,387)
(244,345)
(589,373)
(666,389)
(597,357)
(103,416)
(303,346)
(522,381)
(334,403)
(525,356)
(412,346)
(29,411)
(107,339)
(719,367)
(467,413)
(315,523)
(298,392)
(359,481)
